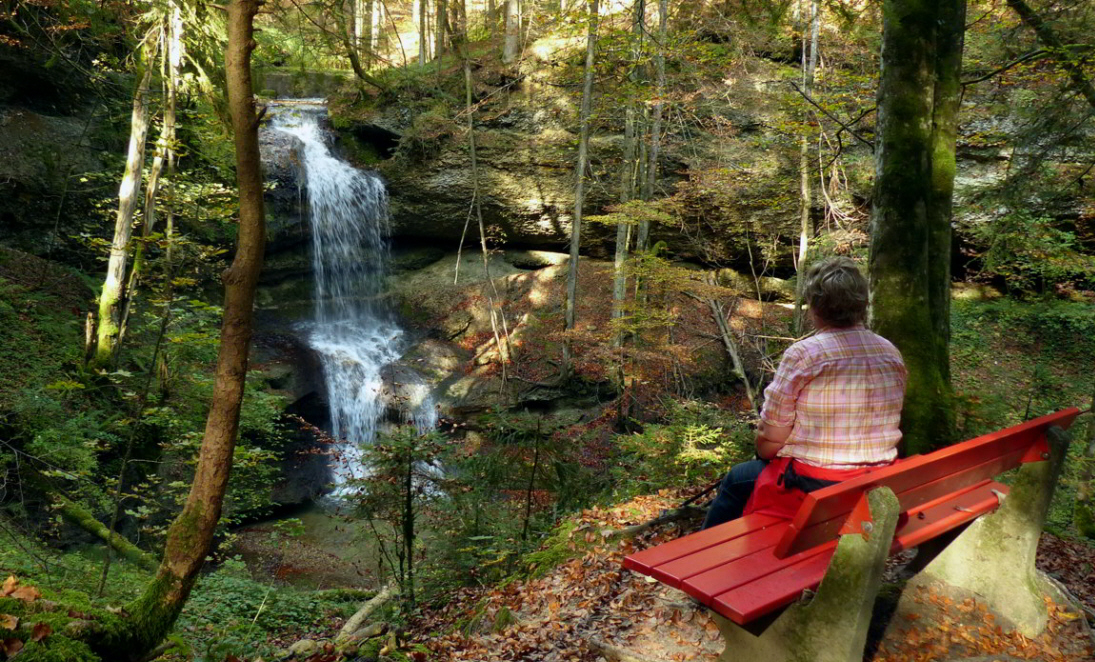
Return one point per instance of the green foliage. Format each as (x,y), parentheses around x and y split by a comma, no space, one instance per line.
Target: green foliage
(696,443)
(231,614)
(1031,253)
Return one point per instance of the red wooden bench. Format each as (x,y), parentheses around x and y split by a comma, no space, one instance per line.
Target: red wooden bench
(753,566)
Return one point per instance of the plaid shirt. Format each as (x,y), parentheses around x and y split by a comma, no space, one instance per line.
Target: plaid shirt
(841,392)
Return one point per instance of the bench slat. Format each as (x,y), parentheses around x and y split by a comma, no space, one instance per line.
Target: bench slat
(648,559)
(676,571)
(768,591)
(913,498)
(961,464)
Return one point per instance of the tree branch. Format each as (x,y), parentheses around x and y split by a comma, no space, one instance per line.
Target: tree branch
(1056,48)
(846,127)
(1041,52)
(84,519)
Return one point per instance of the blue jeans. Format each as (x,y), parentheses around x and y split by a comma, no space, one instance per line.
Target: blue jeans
(734,492)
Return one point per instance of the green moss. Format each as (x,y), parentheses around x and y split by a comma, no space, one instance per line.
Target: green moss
(556,550)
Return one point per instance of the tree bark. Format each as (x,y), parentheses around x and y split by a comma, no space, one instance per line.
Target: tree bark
(82,518)
(128,193)
(165,153)
(423,39)
(659,101)
(512,34)
(440,9)
(190,537)
(809,66)
(579,185)
(921,44)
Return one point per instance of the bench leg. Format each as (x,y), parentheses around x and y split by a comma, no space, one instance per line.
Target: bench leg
(994,556)
(832,626)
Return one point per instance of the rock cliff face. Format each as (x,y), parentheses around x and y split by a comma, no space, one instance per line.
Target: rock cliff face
(41,157)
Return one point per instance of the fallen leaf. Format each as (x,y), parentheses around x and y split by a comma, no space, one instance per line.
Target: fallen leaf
(26,594)
(9,585)
(11,647)
(9,622)
(41,631)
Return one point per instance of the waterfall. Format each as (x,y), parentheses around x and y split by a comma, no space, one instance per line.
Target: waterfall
(353,333)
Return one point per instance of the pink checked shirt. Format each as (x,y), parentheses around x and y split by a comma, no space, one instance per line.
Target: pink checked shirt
(841,393)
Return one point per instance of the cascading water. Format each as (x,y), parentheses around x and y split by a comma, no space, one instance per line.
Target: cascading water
(353,334)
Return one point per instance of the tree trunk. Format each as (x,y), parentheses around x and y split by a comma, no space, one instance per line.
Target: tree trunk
(659,101)
(128,192)
(914,155)
(513,33)
(949,43)
(579,185)
(423,39)
(190,537)
(376,27)
(440,9)
(82,518)
(637,114)
(809,66)
(498,325)
(165,153)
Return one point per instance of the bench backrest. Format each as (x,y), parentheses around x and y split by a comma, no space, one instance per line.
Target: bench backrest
(920,479)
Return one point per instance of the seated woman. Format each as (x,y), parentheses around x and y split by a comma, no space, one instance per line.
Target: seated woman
(832,410)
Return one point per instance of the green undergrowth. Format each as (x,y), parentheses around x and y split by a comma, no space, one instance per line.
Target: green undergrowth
(694,445)
(1015,360)
(228,612)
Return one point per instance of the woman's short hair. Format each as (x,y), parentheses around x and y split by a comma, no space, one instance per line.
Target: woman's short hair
(836,292)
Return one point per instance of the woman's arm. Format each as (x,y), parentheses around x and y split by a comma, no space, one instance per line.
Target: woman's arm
(771,438)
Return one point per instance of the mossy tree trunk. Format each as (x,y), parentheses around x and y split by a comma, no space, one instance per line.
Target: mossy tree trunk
(918,98)
(128,193)
(165,153)
(190,537)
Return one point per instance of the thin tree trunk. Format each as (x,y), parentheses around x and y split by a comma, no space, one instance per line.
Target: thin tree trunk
(809,65)
(512,33)
(190,537)
(365,19)
(659,101)
(498,323)
(376,27)
(638,114)
(440,9)
(579,185)
(423,39)
(165,149)
(408,530)
(128,193)
(914,176)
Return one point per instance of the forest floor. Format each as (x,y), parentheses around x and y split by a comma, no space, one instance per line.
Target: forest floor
(573,610)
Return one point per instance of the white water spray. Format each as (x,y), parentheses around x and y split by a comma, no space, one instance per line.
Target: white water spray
(354,334)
